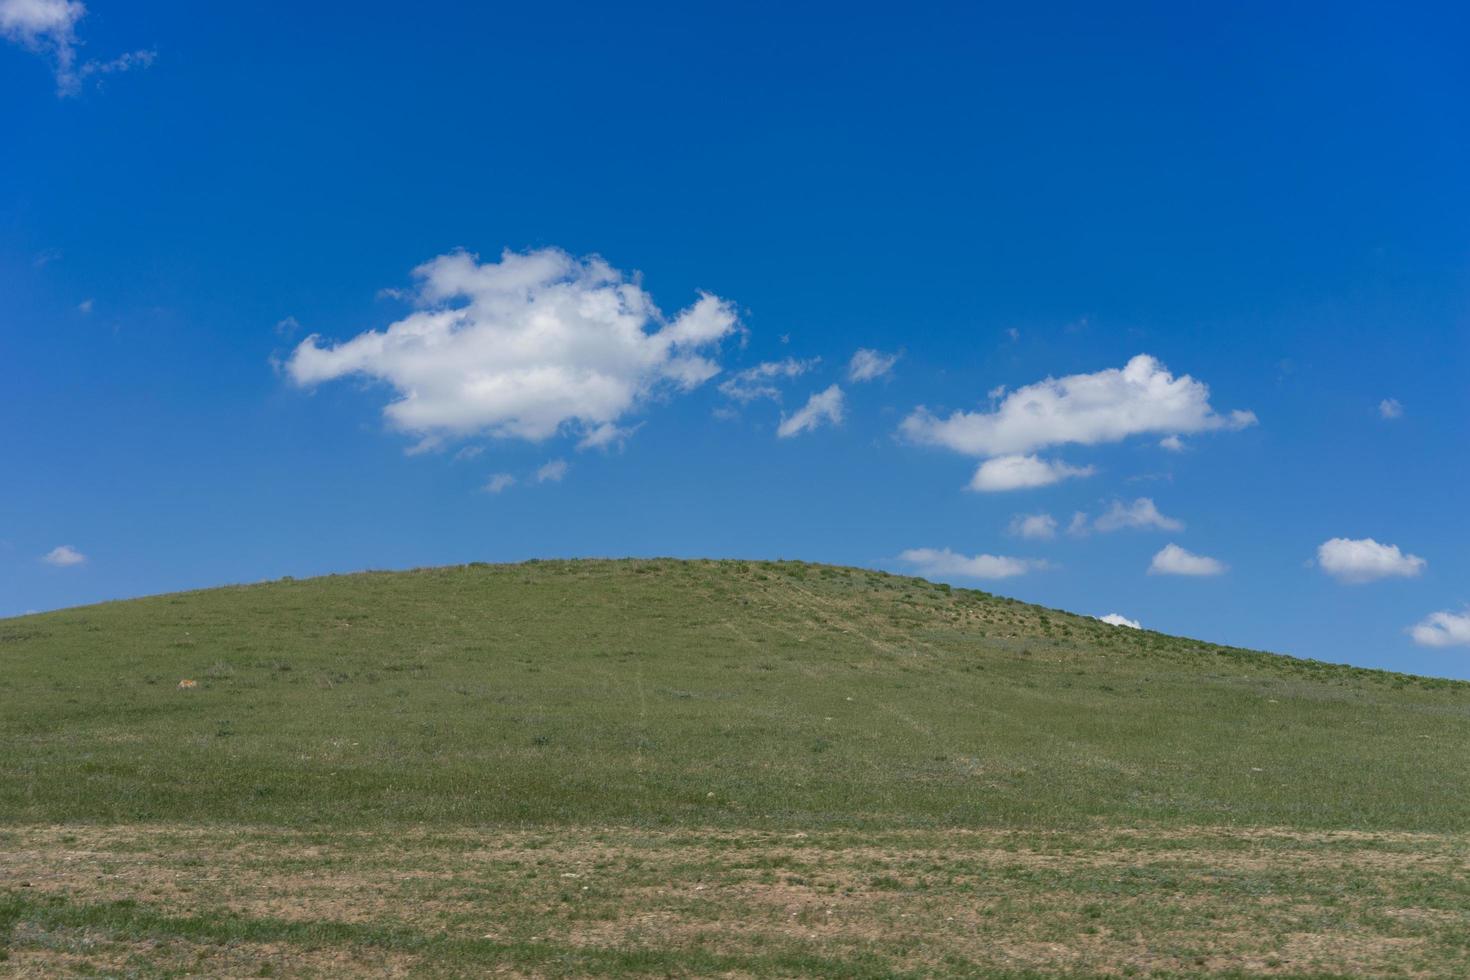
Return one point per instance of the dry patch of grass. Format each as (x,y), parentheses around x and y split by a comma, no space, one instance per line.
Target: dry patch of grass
(88,952)
(155,899)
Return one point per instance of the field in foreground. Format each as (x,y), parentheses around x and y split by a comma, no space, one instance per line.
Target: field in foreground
(566,901)
(689,768)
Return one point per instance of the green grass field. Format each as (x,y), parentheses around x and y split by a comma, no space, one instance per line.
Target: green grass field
(694,768)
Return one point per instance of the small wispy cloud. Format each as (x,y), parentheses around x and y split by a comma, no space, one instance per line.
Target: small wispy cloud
(1390,408)
(552,472)
(944,563)
(607,435)
(1117,619)
(868,364)
(64,556)
(499,482)
(825,407)
(761,380)
(1038,527)
(123,62)
(1141,515)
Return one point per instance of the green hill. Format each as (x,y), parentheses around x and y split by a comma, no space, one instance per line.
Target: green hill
(629,691)
(584,711)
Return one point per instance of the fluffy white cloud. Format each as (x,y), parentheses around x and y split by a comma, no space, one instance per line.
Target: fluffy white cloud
(1172,443)
(1083,409)
(824,406)
(1390,408)
(499,482)
(1116,619)
(1022,473)
(760,381)
(1174,560)
(1442,629)
(868,364)
(943,563)
(1087,409)
(552,472)
(1035,526)
(524,348)
(49,27)
(63,556)
(1363,560)
(1141,514)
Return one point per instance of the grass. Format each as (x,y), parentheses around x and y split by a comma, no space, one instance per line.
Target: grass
(754,768)
(568,902)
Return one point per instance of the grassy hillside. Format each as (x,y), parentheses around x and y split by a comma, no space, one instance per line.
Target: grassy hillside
(696,768)
(694,693)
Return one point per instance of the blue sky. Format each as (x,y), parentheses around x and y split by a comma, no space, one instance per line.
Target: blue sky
(1260,214)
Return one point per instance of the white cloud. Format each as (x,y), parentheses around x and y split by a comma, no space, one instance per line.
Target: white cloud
(1117,619)
(63,556)
(468,452)
(760,381)
(824,406)
(1442,629)
(1363,560)
(868,364)
(1174,560)
(49,27)
(1021,473)
(84,307)
(499,482)
(943,563)
(1141,514)
(122,63)
(524,348)
(1390,408)
(1083,409)
(607,435)
(1034,526)
(46,26)
(552,472)
(1172,443)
